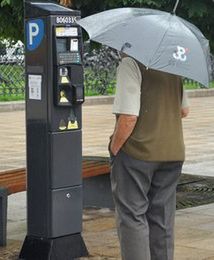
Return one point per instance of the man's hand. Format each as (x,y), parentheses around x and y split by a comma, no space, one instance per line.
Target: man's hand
(184,112)
(123,129)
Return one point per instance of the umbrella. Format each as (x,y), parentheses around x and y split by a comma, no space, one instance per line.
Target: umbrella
(160,40)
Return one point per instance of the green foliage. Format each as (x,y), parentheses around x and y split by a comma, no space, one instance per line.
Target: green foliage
(11,19)
(2,48)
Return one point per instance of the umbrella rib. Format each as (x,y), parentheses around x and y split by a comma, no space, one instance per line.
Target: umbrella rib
(148,65)
(187,24)
(194,34)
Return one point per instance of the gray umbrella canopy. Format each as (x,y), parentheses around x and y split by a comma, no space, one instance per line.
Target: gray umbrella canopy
(160,40)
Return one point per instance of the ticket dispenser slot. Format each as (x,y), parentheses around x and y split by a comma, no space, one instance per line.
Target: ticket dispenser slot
(68,56)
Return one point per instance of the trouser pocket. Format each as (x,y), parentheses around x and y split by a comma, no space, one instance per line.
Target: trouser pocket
(111,156)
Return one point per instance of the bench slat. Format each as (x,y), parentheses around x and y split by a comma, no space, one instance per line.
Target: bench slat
(10,175)
(18,188)
(15,180)
(6,178)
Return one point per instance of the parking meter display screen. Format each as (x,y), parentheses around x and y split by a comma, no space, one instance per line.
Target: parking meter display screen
(61,45)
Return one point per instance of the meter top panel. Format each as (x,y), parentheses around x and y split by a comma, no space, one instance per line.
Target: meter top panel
(38,9)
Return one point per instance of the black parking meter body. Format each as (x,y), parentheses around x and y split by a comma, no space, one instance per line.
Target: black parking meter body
(54,94)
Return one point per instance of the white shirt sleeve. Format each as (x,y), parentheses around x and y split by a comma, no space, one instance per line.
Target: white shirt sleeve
(128,88)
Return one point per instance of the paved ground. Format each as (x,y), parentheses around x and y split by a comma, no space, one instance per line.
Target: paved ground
(194,226)
(98,125)
(194,232)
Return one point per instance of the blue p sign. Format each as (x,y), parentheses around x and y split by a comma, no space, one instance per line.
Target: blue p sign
(34,33)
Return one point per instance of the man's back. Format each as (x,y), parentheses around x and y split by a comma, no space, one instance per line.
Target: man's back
(159,126)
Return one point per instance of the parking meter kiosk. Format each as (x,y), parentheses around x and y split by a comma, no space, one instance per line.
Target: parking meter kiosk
(54,95)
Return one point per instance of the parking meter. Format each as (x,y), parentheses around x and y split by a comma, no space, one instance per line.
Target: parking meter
(54,95)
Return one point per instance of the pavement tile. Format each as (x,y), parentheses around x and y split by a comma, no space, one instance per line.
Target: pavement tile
(203,243)
(98,124)
(184,236)
(194,219)
(12,250)
(200,210)
(189,253)
(98,121)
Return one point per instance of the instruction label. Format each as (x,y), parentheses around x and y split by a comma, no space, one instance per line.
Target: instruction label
(35,87)
(66,31)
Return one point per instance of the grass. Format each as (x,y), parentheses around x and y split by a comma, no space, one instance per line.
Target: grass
(11,98)
(192,85)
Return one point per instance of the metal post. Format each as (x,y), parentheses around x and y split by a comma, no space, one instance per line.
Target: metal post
(175,7)
(54,97)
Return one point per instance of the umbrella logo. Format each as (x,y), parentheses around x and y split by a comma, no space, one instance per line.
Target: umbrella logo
(180,53)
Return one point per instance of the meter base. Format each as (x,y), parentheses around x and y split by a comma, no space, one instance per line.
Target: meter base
(66,248)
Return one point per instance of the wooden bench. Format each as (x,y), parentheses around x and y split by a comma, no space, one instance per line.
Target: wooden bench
(14,181)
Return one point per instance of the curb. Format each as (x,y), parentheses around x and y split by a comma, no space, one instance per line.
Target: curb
(98,100)
(200,93)
(12,106)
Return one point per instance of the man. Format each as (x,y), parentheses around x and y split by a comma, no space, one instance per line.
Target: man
(147,151)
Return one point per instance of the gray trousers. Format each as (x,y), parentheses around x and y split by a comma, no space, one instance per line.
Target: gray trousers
(145,202)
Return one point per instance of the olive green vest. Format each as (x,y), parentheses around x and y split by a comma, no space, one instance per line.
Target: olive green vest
(158,134)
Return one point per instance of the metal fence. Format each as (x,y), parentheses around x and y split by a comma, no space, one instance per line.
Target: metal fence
(12,79)
(100,69)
